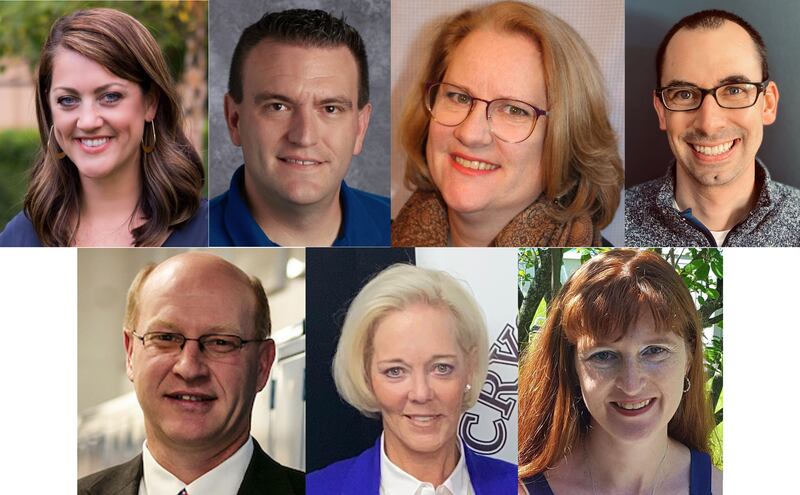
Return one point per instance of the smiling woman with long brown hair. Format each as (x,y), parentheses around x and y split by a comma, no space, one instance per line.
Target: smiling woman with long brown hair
(115,167)
(612,390)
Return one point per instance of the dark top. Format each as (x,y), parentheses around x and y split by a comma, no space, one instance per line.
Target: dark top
(699,477)
(19,232)
(365,218)
(263,476)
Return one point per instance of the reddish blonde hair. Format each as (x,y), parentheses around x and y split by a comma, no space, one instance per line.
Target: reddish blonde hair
(601,300)
(580,153)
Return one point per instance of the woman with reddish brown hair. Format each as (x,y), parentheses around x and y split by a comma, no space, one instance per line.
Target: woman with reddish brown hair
(612,390)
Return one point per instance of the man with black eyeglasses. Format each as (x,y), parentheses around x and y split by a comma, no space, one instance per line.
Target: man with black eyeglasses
(196,336)
(713,98)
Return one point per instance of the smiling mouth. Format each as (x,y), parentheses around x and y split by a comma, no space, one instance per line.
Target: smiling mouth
(298,161)
(712,151)
(93,142)
(422,419)
(191,397)
(633,406)
(475,164)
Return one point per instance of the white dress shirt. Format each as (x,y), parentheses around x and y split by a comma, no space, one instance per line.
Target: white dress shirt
(395,481)
(224,479)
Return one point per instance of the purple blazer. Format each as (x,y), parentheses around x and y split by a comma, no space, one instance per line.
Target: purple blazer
(362,475)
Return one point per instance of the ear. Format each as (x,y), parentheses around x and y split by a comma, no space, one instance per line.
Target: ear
(363,123)
(128,342)
(232,120)
(266,357)
(660,111)
(771,96)
(150,105)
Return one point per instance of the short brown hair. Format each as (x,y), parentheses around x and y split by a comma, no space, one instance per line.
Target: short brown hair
(580,147)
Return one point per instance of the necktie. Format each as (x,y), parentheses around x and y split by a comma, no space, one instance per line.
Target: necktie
(183,492)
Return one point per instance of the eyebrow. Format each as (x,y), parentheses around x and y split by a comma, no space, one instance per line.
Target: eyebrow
(97,90)
(173,328)
(732,79)
(433,358)
(501,97)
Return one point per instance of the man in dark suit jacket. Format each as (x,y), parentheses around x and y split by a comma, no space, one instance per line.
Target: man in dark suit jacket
(196,336)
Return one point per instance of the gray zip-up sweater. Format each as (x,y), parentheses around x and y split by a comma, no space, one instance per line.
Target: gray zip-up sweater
(651,220)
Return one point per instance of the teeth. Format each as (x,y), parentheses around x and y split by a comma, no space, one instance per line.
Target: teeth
(423,419)
(632,406)
(713,150)
(94,143)
(300,162)
(475,164)
(192,398)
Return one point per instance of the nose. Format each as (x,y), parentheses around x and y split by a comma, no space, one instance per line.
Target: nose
(710,117)
(631,377)
(421,390)
(303,127)
(474,131)
(89,118)
(191,363)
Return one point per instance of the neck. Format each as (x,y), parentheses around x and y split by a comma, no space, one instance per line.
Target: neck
(478,228)
(189,462)
(290,224)
(429,467)
(626,468)
(718,207)
(108,209)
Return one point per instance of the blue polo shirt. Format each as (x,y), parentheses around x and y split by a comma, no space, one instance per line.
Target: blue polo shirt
(365,218)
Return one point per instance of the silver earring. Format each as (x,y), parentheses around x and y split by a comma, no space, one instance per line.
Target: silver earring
(686,384)
(467,388)
(151,147)
(59,152)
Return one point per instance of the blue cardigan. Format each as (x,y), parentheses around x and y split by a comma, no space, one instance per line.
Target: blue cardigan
(20,232)
(362,475)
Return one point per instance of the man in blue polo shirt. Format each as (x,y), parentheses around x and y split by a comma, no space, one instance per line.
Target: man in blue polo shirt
(298,105)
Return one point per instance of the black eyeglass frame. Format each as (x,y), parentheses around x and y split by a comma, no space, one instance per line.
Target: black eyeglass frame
(200,339)
(537,111)
(761,87)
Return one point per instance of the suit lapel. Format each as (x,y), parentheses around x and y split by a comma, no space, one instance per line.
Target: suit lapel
(264,475)
(364,475)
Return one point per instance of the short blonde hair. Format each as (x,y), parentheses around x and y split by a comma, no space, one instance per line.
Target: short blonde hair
(580,153)
(395,289)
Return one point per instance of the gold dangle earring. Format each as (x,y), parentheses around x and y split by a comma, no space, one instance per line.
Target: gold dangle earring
(59,152)
(151,147)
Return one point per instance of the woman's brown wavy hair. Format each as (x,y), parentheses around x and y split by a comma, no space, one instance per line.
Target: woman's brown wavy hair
(580,156)
(601,300)
(172,174)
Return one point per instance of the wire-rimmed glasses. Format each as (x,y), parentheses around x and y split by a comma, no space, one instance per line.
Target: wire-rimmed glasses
(214,345)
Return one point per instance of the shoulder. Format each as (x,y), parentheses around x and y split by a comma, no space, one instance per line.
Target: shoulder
(366,218)
(340,476)
(376,205)
(786,196)
(330,476)
(643,193)
(19,232)
(265,471)
(491,473)
(194,232)
(114,479)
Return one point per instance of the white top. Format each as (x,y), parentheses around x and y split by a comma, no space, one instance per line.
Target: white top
(395,481)
(719,235)
(224,479)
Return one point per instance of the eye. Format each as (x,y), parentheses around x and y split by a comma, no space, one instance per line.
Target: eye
(443,368)
(164,337)
(459,98)
(332,109)
(67,101)
(395,372)
(110,98)
(221,343)
(684,94)
(655,352)
(515,111)
(277,107)
(602,357)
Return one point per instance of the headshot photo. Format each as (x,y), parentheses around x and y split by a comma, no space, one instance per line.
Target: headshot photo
(413,388)
(299,123)
(190,372)
(507,123)
(712,109)
(621,372)
(118,99)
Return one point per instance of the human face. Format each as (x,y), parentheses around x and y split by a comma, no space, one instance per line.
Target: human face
(98,117)
(418,374)
(708,58)
(490,65)
(633,386)
(178,298)
(298,123)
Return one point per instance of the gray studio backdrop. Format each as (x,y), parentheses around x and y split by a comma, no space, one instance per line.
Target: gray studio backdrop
(646,23)
(227,20)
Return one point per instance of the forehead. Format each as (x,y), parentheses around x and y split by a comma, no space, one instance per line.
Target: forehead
(641,331)
(290,70)
(70,68)
(501,64)
(707,56)
(197,297)
(418,331)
